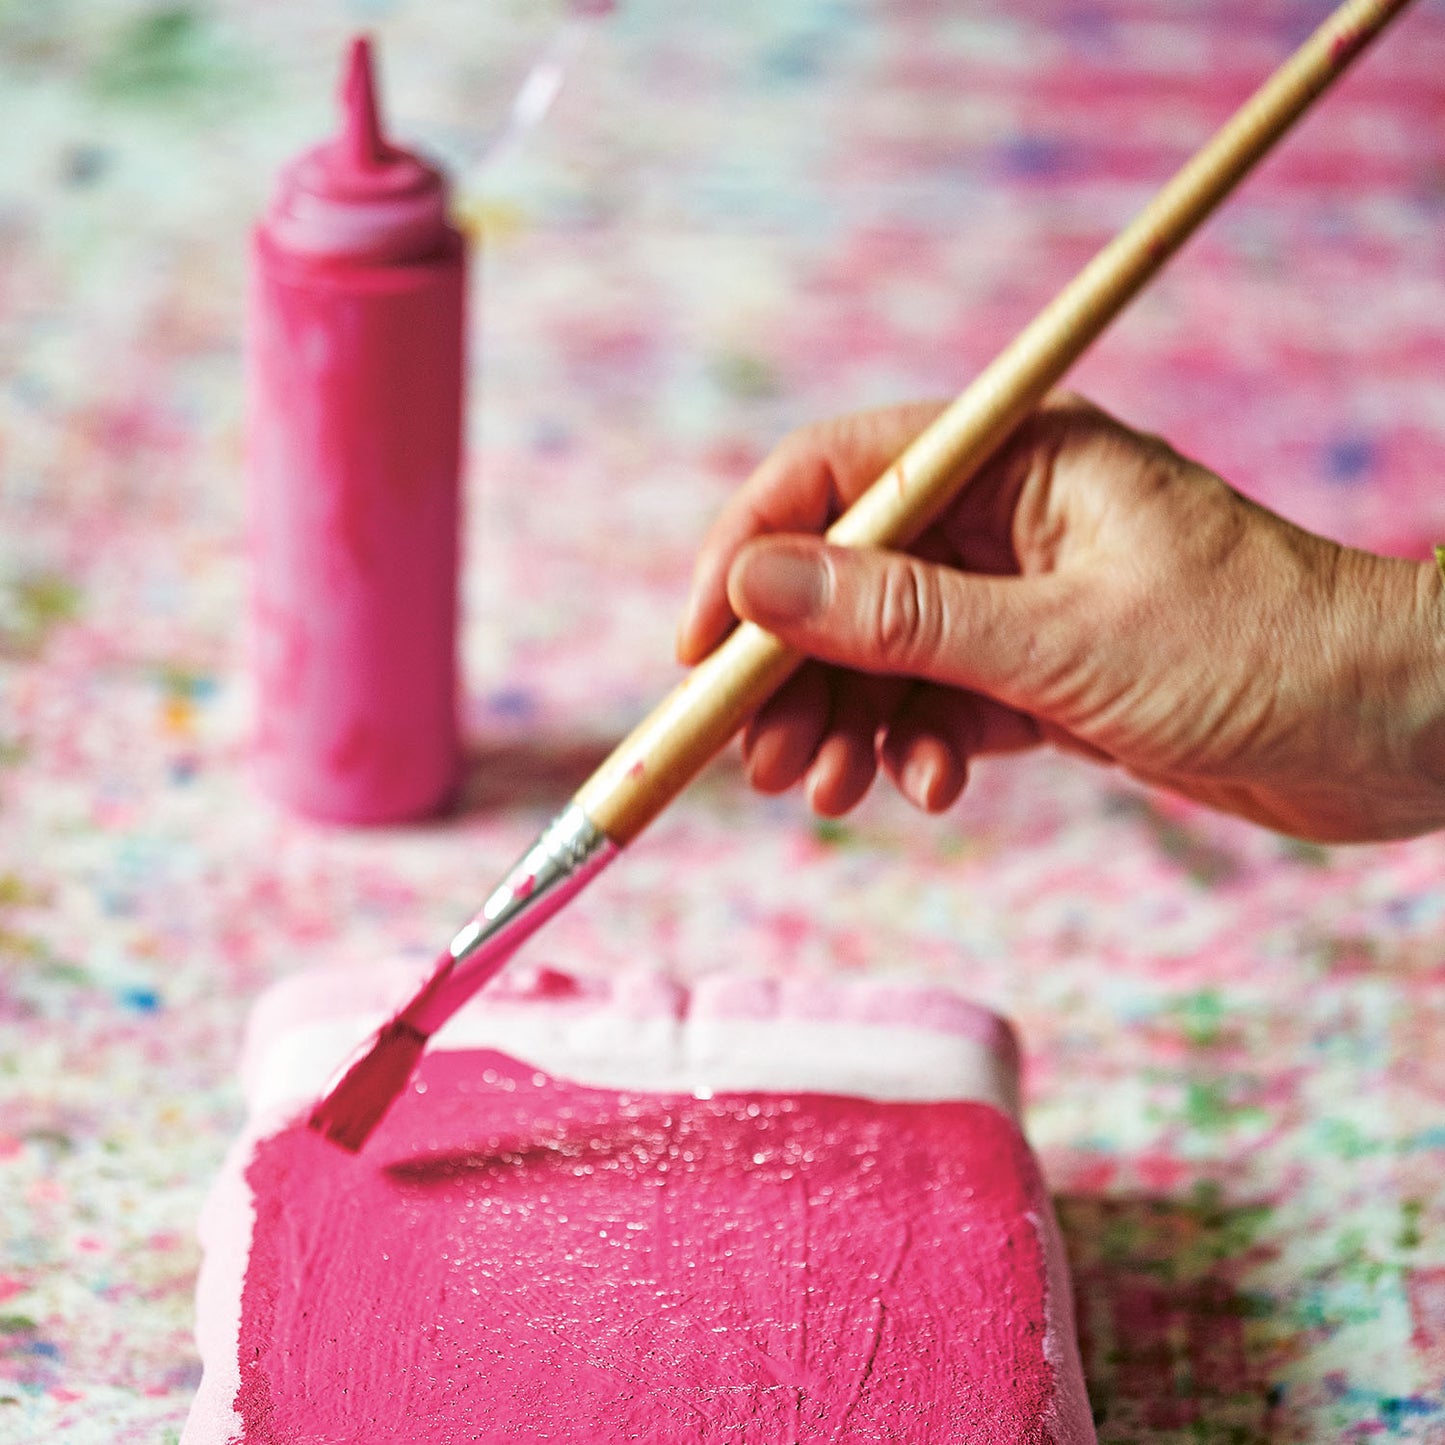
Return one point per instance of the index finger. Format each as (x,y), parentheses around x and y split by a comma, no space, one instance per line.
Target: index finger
(803,485)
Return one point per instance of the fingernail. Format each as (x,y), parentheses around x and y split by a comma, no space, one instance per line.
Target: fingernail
(683,633)
(777,585)
(919,776)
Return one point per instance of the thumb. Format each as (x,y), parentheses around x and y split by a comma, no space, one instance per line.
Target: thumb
(884,612)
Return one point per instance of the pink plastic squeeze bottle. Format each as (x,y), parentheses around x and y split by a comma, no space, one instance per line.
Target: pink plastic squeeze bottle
(355,362)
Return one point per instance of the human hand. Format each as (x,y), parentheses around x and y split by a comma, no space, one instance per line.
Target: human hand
(1092,589)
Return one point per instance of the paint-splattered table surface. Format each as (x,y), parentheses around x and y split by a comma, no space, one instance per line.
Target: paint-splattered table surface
(736,217)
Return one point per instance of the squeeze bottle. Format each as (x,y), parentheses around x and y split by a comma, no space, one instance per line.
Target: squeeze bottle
(355,361)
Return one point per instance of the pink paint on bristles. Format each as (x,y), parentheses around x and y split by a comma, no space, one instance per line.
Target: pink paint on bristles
(1349,44)
(368,1086)
(378,1073)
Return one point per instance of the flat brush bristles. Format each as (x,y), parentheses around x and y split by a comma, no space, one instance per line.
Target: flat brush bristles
(357,1102)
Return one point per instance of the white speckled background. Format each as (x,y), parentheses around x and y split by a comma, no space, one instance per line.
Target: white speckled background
(737,217)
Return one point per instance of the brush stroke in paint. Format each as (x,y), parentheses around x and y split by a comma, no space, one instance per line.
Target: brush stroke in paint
(515,1257)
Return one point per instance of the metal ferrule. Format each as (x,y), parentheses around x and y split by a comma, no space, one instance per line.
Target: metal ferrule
(570,851)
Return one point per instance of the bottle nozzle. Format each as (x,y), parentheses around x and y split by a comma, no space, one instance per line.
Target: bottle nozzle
(361,111)
(357,194)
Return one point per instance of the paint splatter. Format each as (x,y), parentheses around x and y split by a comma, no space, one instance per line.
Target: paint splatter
(31,608)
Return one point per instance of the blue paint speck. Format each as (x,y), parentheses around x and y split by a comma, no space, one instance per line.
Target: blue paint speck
(1090,31)
(513,702)
(115,904)
(794,60)
(1035,157)
(142,1000)
(550,437)
(43,1348)
(1396,1408)
(1349,459)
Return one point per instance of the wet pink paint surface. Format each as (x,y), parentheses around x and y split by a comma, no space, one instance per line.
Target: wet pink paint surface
(519,1258)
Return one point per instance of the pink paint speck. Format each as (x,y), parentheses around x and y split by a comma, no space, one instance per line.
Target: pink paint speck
(1347,45)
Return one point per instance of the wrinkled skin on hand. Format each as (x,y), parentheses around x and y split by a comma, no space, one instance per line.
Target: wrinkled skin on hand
(1090,589)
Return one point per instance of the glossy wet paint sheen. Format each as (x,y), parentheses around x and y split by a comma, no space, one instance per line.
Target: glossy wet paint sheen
(514,1257)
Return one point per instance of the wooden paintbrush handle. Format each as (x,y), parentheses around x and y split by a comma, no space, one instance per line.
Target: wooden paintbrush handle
(662,754)
(658,758)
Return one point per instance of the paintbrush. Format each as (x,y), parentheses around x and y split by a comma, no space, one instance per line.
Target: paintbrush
(654,762)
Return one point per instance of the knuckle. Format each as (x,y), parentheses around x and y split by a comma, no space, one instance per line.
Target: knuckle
(907,625)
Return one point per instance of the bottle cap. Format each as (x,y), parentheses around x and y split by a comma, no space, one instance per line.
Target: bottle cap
(358,196)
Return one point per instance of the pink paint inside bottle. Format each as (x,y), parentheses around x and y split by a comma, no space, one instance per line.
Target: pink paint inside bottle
(354,431)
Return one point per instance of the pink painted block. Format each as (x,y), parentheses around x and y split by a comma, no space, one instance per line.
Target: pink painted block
(654,1217)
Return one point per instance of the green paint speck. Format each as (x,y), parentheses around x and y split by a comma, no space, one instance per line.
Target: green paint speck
(1226,1230)
(178,681)
(1201,1017)
(15,892)
(1409,1235)
(1206,1104)
(49,598)
(1202,861)
(60,1142)
(1348,1140)
(1354,1260)
(16,1324)
(155,56)
(747,377)
(18,947)
(1310,855)
(31,607)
